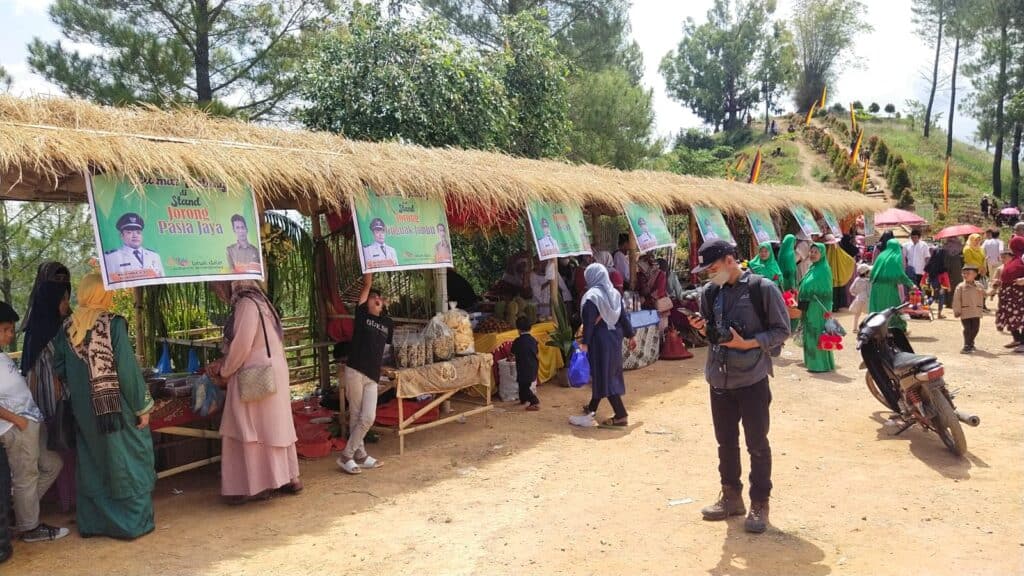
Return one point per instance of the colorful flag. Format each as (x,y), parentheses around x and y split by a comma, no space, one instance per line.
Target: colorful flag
(824,96)
(945,188)
(739,166)
(853,120)
(864,180)
(810,113)
(755,168)
(856,147)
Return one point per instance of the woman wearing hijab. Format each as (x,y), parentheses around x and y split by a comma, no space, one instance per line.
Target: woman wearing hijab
(787,262)
(816,297)
(605,324)
(883,242)
(974,255)
(257,438)
(606,259)
(849,243)
(93,356)
(1010,314)
(887,275)
(764,264)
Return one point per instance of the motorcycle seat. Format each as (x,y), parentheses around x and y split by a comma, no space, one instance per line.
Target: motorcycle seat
(906,360)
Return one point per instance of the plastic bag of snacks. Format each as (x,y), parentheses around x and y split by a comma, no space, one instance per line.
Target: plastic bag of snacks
(458,322)
(408,350)
(439,338)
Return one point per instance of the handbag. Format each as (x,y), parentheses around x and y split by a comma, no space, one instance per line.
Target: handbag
(663,304)
(257,382)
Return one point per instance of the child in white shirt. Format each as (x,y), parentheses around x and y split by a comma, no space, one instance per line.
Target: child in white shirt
(860,289)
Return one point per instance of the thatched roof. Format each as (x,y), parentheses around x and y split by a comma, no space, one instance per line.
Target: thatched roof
(47,143)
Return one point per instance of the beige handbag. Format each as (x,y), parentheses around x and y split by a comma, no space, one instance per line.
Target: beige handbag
(257,382)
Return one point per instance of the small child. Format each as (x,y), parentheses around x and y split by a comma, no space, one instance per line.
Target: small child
(860,290)
(23,436)
(525,350)
(968,306)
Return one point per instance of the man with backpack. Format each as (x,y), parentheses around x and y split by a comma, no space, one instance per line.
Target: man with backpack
(743,317)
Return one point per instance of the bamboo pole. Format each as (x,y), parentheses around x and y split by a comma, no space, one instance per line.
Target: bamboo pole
(321,305)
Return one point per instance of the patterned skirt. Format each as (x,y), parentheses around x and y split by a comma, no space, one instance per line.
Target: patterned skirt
(1010,315)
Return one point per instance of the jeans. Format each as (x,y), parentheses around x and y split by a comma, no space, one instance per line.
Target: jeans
(615,401)
(749,405)
(361,393)
(33,471)
(971,328)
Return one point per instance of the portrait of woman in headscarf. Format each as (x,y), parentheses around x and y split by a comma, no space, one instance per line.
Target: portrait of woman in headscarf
(94,358)
(816,294)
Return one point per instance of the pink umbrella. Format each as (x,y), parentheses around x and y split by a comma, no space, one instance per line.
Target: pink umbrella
(897,217)
(1011,211)
(958,230)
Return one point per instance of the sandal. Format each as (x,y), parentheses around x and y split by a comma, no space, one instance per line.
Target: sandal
(616,422)
(349,466)
(370,463)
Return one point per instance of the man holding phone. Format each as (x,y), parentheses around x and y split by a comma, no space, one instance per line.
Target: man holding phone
(744,317)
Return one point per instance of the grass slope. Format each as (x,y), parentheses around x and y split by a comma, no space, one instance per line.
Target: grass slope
(970,171)
(784,169)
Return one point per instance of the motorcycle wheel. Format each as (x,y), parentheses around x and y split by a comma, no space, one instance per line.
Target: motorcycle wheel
(873,388)
(945,422)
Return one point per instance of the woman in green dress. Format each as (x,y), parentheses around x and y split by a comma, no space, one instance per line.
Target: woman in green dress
(816,294)
(763,264)
(111,405)
(887,276)
(787,262)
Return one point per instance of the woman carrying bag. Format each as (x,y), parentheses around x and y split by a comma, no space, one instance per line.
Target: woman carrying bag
(258,438)
(816,301)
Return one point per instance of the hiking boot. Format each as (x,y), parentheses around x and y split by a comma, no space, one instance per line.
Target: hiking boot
(730,503)
(757,520)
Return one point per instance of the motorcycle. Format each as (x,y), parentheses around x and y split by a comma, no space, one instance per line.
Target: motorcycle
(909,384)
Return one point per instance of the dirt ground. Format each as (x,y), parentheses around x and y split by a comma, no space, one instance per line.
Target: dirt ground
(528,494)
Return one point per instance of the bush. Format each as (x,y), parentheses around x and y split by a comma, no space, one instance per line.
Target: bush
(906,199)
(874,108)
(899,178)
(837,107)
(890,109)
(694,139)
(880,156)
(738,138)
(857,105)
(872,142)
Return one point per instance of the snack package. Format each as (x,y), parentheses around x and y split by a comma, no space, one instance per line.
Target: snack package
(458,322)
(439,340)
(408,350)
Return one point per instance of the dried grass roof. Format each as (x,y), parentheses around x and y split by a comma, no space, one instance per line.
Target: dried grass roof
(46,144)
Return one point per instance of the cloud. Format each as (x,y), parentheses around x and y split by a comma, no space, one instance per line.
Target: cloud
(23,7)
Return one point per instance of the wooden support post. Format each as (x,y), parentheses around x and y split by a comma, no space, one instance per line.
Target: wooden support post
(440,290)
(634,261)
(695,243)
(556,294)
(323,363)
(140,337)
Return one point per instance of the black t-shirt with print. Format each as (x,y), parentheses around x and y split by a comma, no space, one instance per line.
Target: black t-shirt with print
(370,335)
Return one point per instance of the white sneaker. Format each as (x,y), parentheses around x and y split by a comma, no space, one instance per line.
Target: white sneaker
(583,420)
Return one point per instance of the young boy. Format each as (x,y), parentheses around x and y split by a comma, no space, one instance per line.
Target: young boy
(860,290)
(23,436)
(371,333)
(968,306)
(524,349)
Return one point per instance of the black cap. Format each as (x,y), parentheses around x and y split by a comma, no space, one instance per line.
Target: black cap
(130,221)
(376,223)
(712,252)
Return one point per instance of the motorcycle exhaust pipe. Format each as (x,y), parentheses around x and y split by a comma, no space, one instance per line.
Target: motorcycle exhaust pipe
(969,419)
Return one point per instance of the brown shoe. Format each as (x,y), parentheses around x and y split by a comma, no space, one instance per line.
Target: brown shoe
(757,520)
(730,503)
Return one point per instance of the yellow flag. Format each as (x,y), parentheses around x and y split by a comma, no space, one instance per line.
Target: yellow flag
(853,120)
(810,113)
(755,168)
(824,96)
(864,180)
(945,188)
(856,148)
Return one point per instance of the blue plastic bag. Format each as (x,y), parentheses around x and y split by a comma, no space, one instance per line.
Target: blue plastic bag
(579,368)
(207,398)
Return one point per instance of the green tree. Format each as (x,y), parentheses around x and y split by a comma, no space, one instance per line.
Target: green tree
(713,69)
(5,79)
(237,57)
(611,120)
(379,79)
(890,109)
(600,40)
(824,32)
(874,108)
(929,16)
(776,68)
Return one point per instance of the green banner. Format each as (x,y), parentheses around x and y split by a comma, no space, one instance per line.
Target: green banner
(167,233)
(833,224)
(558,229)
(805,219)
(649,227)
(399,233)
(712,224)
(762,226)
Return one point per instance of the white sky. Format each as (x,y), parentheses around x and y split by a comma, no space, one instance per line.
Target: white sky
(891,59)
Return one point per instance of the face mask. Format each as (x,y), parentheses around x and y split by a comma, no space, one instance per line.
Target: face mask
(721,278)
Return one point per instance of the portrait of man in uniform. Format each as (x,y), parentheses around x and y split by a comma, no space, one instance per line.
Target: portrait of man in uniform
(131,261)
(443,249)
(546,244)
(378,254)
(584,237)
(645,240)
(242,255)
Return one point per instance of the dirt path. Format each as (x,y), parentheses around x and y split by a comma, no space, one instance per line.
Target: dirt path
(808,159)
(527,494)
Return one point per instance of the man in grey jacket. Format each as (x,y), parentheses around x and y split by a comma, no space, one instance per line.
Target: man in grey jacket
(744,318)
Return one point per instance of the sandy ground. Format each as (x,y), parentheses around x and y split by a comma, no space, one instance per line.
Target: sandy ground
(528,494)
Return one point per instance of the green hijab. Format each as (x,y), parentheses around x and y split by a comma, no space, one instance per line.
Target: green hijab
(889,264)
(787,262)
(817,283)
(767,268)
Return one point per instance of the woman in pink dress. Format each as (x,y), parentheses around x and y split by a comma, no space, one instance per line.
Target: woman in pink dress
(258,438)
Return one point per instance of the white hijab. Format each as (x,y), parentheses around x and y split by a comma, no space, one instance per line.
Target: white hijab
(601,292)
(604,258)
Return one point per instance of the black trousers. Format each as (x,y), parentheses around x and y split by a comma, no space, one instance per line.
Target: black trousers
(748,405)
(615,401)
(527,395)
(971,328)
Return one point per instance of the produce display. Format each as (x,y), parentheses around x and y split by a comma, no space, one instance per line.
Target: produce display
(443,347)
(515,308)
(493,324)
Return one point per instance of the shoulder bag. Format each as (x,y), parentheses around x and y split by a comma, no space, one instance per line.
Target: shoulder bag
(257,382)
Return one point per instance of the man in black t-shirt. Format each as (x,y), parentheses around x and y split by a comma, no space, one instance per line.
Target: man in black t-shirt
(372,332)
